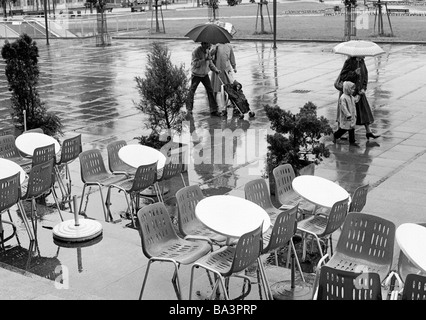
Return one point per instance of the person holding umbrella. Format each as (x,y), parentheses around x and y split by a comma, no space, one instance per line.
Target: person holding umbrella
(201,64)
(355,70)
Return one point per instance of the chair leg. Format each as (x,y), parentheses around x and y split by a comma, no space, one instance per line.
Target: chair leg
(297,259)
(145,278)
(319,246)
(176,284)
(183,179)
(13,225)
(82,200)
(56,201)
(25,220)
(265,282)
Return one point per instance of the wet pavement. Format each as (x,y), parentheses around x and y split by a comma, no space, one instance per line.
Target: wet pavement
(93,90)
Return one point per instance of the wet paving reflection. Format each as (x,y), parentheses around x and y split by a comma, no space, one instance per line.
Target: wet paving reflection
(94,91)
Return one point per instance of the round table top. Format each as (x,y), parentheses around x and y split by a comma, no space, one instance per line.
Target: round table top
(28,142)
(411,238)
(318,190)
(136,155)
(8,168)
(231,216)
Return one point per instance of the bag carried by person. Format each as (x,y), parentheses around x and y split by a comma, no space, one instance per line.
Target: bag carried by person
(338,84)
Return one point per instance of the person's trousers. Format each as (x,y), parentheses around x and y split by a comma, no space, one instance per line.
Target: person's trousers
(340,132)
(195,81)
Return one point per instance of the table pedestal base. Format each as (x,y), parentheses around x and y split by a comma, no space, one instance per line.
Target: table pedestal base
(283,290)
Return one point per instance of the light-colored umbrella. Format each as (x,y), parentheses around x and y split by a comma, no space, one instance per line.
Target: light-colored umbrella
(209,32)
(358,48)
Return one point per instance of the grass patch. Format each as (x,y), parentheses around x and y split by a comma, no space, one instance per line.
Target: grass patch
(293,26)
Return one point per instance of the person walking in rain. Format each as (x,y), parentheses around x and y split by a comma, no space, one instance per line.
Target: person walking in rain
(225,62)
(355,70)
(346,113)
(201,64)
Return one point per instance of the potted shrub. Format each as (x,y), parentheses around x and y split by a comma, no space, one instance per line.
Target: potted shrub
(163,92)
(22,73)
(298,138)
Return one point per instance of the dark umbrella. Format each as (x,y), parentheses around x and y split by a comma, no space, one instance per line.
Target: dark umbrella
(210,33)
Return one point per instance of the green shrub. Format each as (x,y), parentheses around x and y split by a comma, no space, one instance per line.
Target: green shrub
(163,93)
(22,73)
(298,137)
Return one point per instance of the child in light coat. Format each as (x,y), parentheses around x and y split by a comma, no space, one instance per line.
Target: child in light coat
(346,113)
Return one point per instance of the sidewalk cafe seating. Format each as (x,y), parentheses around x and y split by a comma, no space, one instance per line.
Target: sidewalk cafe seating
(281,234)
(115,164)
(286,196)
(40,183)
(366,243)
(8,150)
(70,150)
(359,198)
(10,195)
(190,227)
(257,191)
(145,176)
(161,243)
(93,173)
(230,261)
(338,284)
(323,226)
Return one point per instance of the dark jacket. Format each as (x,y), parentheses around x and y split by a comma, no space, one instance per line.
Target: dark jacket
(348,73)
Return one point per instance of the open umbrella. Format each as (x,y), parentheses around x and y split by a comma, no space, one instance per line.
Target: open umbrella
(358,48)
(210,33)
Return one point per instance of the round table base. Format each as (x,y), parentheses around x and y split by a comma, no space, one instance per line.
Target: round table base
(85,231)
(283,291)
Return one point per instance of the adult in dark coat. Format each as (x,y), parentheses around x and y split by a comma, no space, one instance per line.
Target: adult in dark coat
(355,70)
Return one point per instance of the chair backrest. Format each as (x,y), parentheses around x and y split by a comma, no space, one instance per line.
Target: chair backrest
(71,148)
(91,165)
(283,176)
(367,237)
(257,191)
(8,147)
(187,199)
(173,166)
(10,191)
(414,287)
(40,179)
(247,250)
(145,176)
(337,284)
(155,228)
(282,231)
(114,161)
(43,154)
(336,217)
(359,198)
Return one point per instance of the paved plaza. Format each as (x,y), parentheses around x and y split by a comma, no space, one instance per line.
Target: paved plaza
(93,90)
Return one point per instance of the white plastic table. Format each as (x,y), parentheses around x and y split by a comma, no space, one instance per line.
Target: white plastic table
(8,168)
(320,191)
(411,238)
(231,216)
(28,142)
(136,155)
